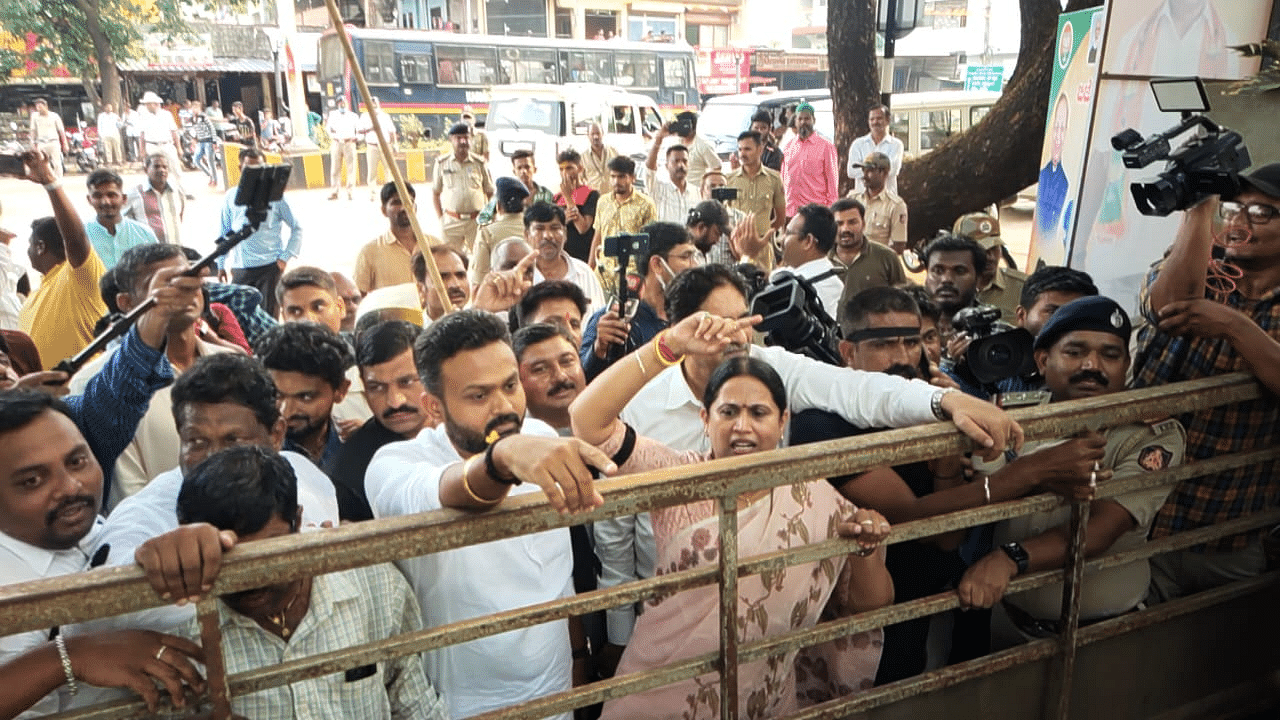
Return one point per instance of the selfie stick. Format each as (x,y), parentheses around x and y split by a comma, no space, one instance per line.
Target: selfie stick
(255,214)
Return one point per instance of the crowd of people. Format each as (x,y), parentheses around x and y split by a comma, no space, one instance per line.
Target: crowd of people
(539,347)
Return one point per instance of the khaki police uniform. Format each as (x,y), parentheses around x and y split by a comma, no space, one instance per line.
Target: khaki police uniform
(464,188)
(1132,450)
(1005,292)
(886,218)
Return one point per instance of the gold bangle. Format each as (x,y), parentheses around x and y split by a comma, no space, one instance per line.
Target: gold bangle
(659,344)
(466,484)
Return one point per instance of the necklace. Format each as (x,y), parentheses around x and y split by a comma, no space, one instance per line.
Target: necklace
(280,619)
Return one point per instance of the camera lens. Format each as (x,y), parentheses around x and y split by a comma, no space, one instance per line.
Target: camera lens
(998,355)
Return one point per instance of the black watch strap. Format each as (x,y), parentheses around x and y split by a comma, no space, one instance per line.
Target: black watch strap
(1018,555)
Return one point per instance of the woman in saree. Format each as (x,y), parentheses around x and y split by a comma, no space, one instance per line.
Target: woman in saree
(744,411)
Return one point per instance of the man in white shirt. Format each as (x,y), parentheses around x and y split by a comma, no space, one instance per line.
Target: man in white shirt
(806,243)
(878,140)
(48,134)
(484,449)
(702,156)
(343,128)
(109,135)
(156,203)
(544,230)
(674,194)
(669,408)
(159,134)
(372,152)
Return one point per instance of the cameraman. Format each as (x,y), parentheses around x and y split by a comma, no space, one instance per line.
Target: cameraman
(1193,332)
(609,333)
(702,156)
(1046,290)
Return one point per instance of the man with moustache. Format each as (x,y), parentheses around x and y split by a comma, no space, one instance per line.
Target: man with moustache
(865,262)
(384,356)
(461,187)
(484,450)
(308,363)
(544,230)
(879,142)
(953,264)
(809,173)
(253,493)
(1083,352)
(595,161)
(624,210)
(157,202)
(551,378)
(885,220)
(673,195)
(453,271)
(760,193)
(385,260)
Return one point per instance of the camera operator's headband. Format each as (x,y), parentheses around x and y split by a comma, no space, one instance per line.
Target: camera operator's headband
(883,332)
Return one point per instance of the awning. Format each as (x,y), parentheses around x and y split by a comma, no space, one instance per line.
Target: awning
(216,65)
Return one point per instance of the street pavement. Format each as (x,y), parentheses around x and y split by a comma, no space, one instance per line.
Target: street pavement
(333,230)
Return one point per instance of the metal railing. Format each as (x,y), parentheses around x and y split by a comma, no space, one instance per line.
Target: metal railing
(111,591)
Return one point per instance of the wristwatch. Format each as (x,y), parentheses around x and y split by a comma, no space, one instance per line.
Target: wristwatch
(1017,554)
(935,403)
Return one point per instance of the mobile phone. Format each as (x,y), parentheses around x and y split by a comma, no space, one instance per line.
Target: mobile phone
(12,165)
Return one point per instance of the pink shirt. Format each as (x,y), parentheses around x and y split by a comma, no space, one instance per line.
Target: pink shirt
(809,172)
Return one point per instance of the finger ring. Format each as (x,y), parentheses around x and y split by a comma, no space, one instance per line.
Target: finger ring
(705,314)
(161,651)
(863,550)
(1093,478)
(867,522)
(1096,466)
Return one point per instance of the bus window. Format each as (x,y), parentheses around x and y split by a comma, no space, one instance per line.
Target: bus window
(650,120)
(416,69)
(978,112)
(332,61)
(675,73)
(936,126)
(601,63)
(529,65)
(456,65)
(900,127)
(379,62)
(623,120)
(635,69)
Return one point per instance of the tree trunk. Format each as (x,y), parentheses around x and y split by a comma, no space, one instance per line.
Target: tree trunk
(855,86)
(1000,155)
(107,70)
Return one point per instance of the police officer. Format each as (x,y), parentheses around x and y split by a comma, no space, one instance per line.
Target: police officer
(1082,351)
(461,187)
(999,286)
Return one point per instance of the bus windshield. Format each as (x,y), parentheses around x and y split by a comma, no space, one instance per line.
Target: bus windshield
(330,58)
(526,114)
(724,121)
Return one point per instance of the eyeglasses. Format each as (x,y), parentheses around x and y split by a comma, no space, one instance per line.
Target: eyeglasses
(689,256)
(1255,213)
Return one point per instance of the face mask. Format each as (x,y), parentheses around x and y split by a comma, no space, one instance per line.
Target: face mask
(663,283)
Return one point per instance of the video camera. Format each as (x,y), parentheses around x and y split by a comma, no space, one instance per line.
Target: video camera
(680,128)
(724,194)
(996,351)
(1208,164)
(794,319)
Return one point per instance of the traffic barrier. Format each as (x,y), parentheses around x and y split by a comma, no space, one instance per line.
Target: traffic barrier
(110,591)
(311,169)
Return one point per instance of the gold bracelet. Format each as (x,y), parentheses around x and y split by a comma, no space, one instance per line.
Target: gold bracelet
(466,484)
(659,345)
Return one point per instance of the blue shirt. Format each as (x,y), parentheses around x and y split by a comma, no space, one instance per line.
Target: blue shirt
(267,245)
(644,327)
(1051,200)
(129,234)
(116,398)
(328,456)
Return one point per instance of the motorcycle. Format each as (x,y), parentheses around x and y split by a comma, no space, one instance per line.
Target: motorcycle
(82,147)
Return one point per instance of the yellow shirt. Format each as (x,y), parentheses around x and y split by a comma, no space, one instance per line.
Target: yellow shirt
(60,315)
(383,261)
(614,218)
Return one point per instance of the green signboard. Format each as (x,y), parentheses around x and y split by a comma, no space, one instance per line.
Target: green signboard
(984,77)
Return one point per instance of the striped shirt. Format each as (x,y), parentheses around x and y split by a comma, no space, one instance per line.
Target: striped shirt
(1238,427)
(809,172)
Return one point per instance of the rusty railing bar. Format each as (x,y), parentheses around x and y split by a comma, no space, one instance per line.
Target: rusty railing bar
(728,610)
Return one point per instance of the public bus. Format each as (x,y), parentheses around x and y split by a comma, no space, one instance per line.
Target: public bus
(433,74)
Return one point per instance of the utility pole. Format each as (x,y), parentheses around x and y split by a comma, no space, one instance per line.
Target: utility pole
(286,15)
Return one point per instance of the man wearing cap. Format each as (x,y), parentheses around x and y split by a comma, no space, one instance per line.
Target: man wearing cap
(509,221)
(460,188)
(864,262)
(1196,331)
(342,125)
(523,168)
(159,135)
(809,172)
(479,141)
(48,134)
(886,218)
(384,261)
(1083,352)
(877,141)
(998,286)
(760,192)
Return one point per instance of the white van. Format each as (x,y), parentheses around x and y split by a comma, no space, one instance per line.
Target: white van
(550,118)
